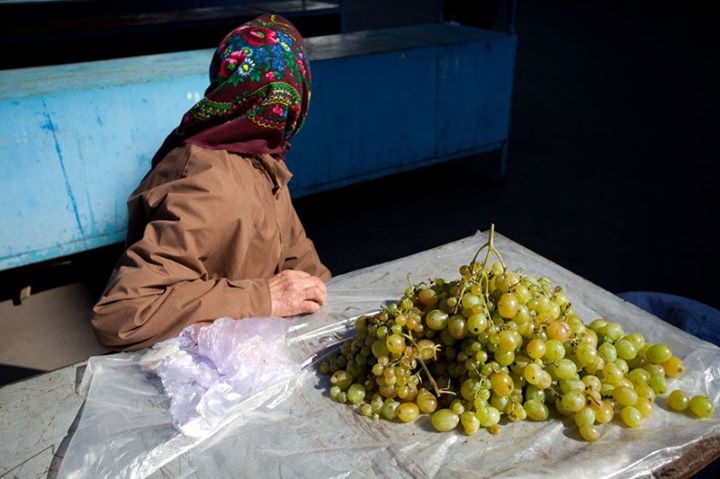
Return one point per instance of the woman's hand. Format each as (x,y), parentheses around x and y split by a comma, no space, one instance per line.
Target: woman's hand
(296,292)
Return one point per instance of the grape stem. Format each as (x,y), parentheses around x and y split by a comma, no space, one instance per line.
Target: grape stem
(482,273)
(438,390)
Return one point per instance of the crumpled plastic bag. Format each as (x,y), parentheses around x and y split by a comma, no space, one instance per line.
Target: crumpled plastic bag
(208,369)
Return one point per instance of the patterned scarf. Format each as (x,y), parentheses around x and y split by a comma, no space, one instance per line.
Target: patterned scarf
(258,96)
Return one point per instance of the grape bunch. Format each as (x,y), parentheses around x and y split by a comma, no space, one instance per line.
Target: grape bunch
(497,344)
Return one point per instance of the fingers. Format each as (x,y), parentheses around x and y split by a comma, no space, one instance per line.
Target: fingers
(315,293)
(308,307)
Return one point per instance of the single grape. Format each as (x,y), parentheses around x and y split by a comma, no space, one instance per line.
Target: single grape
(573,401)
(545,380)
(395,343)
(586,353)
(534,393)
(504,358)
(366,410)
(598,324)
(701,407)
(457,407)
(508,341)
(376,403)
(658,353)
(639,376)
(469,388)
(678,400)
(585,417)
(335,392)
(554,350)
(645,391)
(625,395)
(502,384)
(608,352)
(532,373)
(592,382)
(470,423)
(658,383)
(508,305)
(536,410)
(654,369)
(572,384)
(356,393)
(565,369)
(645,407)
(623,365)
(604,411)
(630,416)
(488,416)
(341,379)
(426,349)
(477,323)
(426,401)
(436,320)
(428,297)
(612,373)
(407,411)
(536,348)
(522,293)
(516,412)
(444,420)
(389,409)
(612,331)
(558,330)
(589,432)
(625,349)
(596,366)
(674,367)
(499,402)
(457,327)
(470,300)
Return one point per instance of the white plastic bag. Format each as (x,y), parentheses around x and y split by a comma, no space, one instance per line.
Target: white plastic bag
(207,370)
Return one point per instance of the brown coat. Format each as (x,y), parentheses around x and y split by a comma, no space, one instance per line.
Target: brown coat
(206,230)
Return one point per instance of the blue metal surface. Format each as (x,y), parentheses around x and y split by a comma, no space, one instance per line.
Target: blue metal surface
(76,139)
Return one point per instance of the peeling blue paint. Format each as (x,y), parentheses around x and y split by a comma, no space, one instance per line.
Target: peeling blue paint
(49,125)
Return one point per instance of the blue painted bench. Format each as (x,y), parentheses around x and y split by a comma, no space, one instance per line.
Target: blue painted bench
(76,139)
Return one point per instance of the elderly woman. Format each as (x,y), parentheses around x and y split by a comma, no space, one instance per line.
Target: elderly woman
(212,231)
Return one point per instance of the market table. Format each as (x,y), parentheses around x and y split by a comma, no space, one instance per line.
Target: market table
(305,433)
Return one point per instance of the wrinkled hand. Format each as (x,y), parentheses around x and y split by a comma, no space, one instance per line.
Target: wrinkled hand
(296,292)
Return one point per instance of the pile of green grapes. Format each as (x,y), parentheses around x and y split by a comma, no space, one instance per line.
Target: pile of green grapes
(499,344)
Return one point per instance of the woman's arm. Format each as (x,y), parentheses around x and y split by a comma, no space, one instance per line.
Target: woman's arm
(161,285)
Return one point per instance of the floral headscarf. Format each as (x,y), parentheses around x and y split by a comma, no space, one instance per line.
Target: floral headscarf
(258,96)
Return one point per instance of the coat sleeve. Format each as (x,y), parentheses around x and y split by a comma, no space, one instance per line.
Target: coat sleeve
(301,253)
(160,285)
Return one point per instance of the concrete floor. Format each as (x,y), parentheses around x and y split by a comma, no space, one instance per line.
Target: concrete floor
(612,174)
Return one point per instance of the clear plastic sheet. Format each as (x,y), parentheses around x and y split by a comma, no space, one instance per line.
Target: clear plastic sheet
(293,429)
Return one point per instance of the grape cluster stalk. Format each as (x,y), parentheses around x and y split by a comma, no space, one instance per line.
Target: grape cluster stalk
(498,344)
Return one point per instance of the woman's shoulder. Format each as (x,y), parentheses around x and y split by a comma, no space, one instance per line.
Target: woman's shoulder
(195,167)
